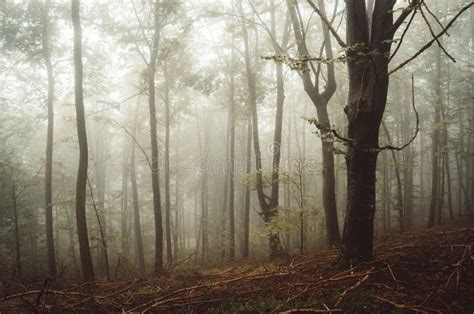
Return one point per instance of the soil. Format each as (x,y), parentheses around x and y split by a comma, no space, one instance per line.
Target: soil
(426,270)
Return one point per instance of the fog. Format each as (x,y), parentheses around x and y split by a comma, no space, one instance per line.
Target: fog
(215,132)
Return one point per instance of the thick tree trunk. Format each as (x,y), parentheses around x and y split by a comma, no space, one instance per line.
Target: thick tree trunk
(368,88)
(86,260)
(52,271)
(359,224)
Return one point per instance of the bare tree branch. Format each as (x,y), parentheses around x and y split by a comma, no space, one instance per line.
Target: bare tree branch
(434,36)
(419,52)
(136,142)
(328,23)
(417,128)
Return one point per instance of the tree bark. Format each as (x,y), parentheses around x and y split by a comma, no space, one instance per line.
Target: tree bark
(84,249)
(368,88)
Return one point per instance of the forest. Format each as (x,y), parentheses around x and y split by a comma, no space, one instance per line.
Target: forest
(237,156)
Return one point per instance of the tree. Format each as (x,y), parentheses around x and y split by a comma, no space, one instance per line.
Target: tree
(435,140)
(167,168)
(268,205)
(48,198)
(368,56)
(232,159)
(248,169)
(86,261)
(320,99)
(136,209)
(154,141)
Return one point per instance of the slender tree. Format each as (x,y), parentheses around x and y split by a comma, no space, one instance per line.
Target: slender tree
(86,260)
(320,99)
(232,160)
(154,141)
(136,210)
(435,142)
(268,204)
(49,142)
(169,252)
(124,204)
(248,169)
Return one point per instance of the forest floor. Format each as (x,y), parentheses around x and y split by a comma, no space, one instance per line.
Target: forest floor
(419,271)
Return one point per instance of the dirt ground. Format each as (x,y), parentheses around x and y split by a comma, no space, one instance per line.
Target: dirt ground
(419,271)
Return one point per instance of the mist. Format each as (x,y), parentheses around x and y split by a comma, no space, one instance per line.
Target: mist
(162,144)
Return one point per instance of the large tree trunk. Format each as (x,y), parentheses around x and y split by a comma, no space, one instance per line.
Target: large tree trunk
(154,144)
(368,87)
(48,198)
(86,260)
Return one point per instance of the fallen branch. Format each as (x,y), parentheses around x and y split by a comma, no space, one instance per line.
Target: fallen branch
(312,311)
(415,308)
(345,292)
(158,301)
